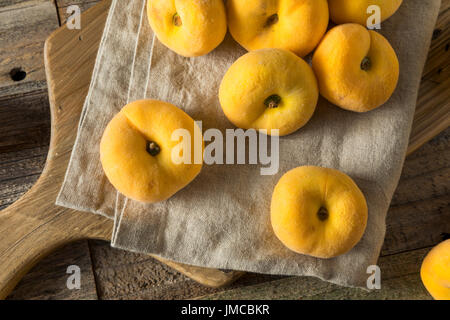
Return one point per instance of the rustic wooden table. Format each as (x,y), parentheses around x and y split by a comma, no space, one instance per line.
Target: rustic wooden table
(418,219)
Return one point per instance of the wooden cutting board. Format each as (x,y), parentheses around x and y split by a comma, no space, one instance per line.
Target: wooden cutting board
(33,227)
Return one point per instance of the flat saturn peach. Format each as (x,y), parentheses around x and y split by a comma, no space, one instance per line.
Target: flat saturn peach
(137,148)
(294,25)
(190,28)
(318,212)
(269,89)
(357,69)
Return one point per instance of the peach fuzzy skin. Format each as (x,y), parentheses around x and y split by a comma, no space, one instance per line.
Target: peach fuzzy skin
(355,11)
(295,25)
(357,69)
(299,199)
(130,168)
(261,74)
(435,271)
(190,28)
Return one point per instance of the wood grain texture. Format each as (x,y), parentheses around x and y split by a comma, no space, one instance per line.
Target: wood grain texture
(400,279)
(24,138)
(417,218)
(52,277)
(419,214)
(37,19)
(126,275)
(433,105)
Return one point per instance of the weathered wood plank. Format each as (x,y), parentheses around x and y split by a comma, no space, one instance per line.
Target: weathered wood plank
(122,275)
(24,121)
(437,59)
(399,280)
(126,275)
(417,224)
(433,104)
(47,281)
(23,29)
(24,139)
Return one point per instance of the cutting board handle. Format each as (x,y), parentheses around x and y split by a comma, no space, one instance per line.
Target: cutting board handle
(27,234)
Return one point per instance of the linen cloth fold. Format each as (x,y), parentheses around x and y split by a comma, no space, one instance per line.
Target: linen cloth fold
(222,219)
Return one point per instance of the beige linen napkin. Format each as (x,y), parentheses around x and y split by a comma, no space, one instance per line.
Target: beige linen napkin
(221,219)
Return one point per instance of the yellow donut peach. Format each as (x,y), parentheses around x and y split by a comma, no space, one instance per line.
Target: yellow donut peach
(435,271)
(136,151)
(318,211)
(295,25)
(269,89)
(355,11)
(357,69)
(191,28)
